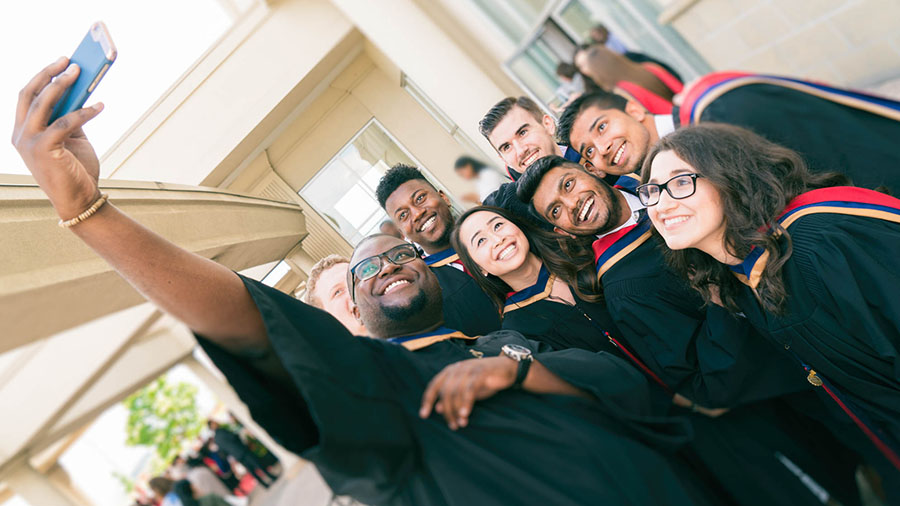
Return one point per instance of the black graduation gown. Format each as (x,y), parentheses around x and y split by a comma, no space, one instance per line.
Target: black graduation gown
(746,449)
(834,129)
(350,405)
(703,352)
(466,306)
(842,314)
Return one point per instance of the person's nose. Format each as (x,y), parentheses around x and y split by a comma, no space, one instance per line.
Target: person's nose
(387,268)
(570,202)
(666,202)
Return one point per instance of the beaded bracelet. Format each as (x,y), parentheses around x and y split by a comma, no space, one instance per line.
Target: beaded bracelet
(86,214)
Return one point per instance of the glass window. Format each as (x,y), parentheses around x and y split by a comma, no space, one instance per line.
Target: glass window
(343,192)
(515,18)
(548,31)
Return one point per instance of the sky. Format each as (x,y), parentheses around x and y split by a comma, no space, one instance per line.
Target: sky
(157,41)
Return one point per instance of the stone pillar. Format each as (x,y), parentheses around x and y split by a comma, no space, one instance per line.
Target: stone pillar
(36,488)
(221,389)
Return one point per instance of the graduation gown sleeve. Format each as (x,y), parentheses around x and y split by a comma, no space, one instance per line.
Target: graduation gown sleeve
(335,382)
(705,353)
(843,312)
(806,118)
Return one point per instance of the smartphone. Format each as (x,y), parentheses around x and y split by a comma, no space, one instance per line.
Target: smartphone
(94,56)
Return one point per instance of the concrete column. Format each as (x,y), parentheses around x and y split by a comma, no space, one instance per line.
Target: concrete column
(464,94)
(226,394)
(36,488)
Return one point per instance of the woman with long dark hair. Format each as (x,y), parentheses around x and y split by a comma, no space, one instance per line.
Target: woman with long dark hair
(523,271)
(811,265)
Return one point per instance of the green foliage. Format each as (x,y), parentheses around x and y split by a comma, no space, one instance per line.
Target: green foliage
(126,482)
(163,416)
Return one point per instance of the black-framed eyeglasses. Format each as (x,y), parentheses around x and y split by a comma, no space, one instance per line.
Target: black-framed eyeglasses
(681,186)
(369,267)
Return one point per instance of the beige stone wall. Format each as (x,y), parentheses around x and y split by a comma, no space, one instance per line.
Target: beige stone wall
(845,42)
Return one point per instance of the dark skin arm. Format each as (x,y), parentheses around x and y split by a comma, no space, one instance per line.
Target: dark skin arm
(454,390)
(206,296)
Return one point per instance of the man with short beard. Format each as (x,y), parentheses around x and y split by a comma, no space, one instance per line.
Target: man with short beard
(835,130)
(423,215)
(653,309)
(355,406)
(703,353)
(521,133)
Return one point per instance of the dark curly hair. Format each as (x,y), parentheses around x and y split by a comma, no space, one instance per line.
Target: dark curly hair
(570,260)
(394,177)
(755,179)
(600,98)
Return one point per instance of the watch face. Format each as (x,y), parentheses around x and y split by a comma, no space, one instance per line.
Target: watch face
(516,352)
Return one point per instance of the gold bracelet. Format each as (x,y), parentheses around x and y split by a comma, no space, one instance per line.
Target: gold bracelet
(87,214)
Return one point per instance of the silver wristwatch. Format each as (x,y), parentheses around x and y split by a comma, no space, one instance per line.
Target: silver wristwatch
(523,356)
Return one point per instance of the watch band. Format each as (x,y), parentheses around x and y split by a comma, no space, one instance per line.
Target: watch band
(522,372)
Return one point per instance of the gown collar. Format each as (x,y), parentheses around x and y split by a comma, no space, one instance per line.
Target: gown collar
(419,341)
(441,258)
(538,291)
(835,200)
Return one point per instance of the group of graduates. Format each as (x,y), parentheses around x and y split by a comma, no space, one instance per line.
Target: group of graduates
(693,307)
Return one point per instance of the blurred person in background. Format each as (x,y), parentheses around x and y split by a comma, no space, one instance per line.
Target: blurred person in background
(162,488)
(486,179)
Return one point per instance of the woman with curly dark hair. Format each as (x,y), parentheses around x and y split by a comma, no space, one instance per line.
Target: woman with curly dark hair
(555,298)
(812,265)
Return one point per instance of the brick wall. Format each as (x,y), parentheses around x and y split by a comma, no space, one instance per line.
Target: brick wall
(845,42)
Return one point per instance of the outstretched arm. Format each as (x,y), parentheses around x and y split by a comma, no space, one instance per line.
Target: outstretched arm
(206,296)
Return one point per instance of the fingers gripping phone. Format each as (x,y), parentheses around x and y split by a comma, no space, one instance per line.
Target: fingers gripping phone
(93,56)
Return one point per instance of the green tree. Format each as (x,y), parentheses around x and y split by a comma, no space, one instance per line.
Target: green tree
(163,416)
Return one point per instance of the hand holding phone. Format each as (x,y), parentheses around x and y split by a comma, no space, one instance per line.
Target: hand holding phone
(94,56)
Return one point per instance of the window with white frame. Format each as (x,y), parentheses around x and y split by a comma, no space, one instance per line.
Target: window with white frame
(547,32)
(343,191)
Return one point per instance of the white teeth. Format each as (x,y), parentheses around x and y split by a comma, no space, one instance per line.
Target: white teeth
(507,251)
(395,284)
(428,224)
(615,160)
(531,158)
(584,211)
(675,221)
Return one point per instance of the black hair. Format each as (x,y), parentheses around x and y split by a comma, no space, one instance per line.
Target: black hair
(464,160)
(566,70)
(527,185)
(394,177)
(569,259)
(599,98)
(755,180)
(182,489)
(493,117)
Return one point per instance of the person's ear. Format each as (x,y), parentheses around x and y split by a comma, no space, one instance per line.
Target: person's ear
(550,125)
(444,196)
(635,110)
(563,232)
(355,312)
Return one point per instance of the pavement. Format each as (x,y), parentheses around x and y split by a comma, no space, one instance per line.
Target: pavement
(299,486)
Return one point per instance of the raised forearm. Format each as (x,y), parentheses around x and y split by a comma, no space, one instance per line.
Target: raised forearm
(206,296)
